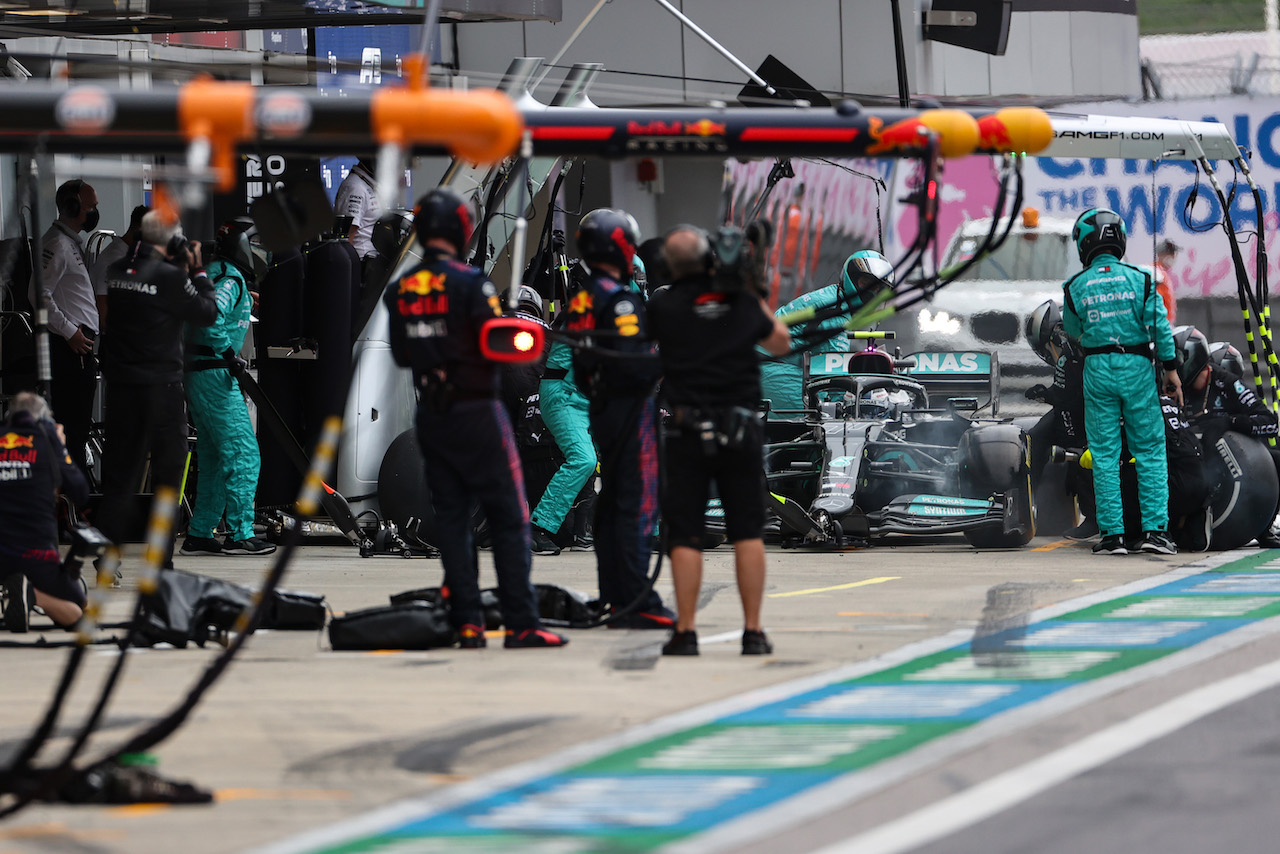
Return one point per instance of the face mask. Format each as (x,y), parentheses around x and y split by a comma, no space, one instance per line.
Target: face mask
(90,221)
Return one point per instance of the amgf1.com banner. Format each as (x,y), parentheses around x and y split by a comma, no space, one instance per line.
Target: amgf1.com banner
(829,209)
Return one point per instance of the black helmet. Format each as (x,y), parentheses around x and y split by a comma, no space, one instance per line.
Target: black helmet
(390,231)
(237,244)
(608,236)
(443,213)
(1193,348)
(528,302)
(1099,230)
(1227,358)
(1046,335)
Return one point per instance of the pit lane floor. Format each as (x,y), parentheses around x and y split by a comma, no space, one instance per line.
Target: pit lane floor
(298,737)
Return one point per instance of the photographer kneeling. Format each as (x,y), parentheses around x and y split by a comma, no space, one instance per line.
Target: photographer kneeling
(707,328)
(34,464)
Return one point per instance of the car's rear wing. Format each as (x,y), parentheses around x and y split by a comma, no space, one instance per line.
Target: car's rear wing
(947,374)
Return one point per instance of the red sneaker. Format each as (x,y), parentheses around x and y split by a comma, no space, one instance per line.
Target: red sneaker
(532,639)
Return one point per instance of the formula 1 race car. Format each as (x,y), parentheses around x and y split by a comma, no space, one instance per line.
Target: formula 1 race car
(868,456)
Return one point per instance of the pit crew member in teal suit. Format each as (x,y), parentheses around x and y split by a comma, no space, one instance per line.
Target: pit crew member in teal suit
(1115,313)
(865,272)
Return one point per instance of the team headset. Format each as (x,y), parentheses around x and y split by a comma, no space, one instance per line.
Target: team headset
(69,203)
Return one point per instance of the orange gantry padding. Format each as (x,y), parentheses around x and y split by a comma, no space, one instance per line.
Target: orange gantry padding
(222,114)
(481,126)
(1028,130)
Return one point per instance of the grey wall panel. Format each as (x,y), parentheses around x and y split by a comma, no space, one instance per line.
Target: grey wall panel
(485,50)
(1013,72)
(636,35)
(804,35)
(958,72)
(1050,53)
(693,192)
(867,46)
(1104,54)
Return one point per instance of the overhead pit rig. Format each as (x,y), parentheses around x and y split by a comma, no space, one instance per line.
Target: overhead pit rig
(211,123)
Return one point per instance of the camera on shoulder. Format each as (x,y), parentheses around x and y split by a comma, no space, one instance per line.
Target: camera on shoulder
(740,257)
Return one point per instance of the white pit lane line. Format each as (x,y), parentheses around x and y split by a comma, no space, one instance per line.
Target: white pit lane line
(822,799)
(993,796)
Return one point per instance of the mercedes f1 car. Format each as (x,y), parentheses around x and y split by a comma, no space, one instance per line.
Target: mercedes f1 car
(869,456)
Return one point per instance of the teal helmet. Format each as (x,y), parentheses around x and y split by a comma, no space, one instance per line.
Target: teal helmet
(639,278)
(1099,230)
(866,272)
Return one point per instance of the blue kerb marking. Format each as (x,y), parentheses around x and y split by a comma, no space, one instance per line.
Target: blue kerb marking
(647,795)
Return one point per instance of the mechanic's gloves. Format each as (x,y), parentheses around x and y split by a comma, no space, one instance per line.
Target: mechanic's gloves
(1038,392)
(237,366)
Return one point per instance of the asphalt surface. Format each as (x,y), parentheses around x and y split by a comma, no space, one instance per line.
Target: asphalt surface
(297,736)
(1207,787)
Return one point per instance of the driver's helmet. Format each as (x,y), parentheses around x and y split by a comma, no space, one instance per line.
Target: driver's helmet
(866,272)
(876,403)
(1227,359)
(1046,335)
(1193,347)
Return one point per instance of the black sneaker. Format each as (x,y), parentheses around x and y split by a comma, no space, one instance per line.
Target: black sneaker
(1157,543)
(582,544)
(1086,530)
(200,546)
(1112,545)
(755,643)
(542,542)
(659,618)
(1270,538)
(17,603)
(533,639)
(251,546)
(471,636)
(681,643)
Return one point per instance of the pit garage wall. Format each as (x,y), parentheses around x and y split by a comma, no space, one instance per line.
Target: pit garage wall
(837,45)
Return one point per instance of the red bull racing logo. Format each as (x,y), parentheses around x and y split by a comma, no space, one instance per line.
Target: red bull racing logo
(10,441)
(658,136)
(901,135)
(581,315)
(429,288)
(422,283)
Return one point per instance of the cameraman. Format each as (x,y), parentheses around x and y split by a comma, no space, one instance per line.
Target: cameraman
(34,464)
(150,296)
(707,333)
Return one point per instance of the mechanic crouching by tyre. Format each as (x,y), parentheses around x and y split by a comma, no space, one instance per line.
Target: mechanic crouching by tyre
(1115,313)
(34,466)
(617,372)
(226,448)
(1063,425)
(437,311)
(706,338)
(1217,400)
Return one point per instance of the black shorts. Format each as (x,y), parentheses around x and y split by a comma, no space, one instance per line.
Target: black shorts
(44,569)
(739,477)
